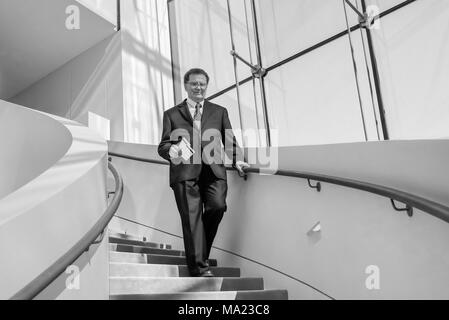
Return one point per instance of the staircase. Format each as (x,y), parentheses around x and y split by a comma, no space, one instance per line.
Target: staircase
(142,270)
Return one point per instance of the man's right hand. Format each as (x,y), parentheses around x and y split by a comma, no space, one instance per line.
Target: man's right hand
(175,151)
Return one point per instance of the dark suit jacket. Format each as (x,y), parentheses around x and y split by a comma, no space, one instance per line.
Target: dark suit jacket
(178,122)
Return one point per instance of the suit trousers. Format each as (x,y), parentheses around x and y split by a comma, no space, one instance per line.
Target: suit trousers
(201,204)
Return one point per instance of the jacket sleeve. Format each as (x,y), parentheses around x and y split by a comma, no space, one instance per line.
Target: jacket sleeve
(232,149)
(165,144)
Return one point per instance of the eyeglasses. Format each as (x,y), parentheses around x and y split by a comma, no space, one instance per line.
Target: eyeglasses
(198,84)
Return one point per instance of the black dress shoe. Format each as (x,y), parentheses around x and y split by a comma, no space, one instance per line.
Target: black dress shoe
(206,274)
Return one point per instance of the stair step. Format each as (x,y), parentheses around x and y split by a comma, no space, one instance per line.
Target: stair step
(115,256)
(160,270)
(213,295)
(122,235)
(138,242)
(149,285)
(140,249)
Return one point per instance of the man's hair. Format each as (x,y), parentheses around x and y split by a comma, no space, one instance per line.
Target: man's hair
(195,71)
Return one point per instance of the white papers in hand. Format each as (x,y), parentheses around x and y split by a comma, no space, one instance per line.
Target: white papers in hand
(186,149)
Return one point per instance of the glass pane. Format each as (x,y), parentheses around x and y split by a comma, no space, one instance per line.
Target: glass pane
(313,99)
(250,111)
(412,49)
(290,26)
(382,5)
(202,39)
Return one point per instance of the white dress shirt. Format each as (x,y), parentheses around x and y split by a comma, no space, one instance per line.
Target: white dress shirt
(192,106)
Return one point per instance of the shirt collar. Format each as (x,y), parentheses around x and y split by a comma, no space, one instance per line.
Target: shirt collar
(192,103)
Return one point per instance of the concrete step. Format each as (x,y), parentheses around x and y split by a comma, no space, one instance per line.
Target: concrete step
(160,270)
(137,242)
(126,257)
(214,295)
(149,285)
(140,249)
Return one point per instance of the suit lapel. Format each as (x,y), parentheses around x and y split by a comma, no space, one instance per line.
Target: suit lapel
(184,110)
(206,112)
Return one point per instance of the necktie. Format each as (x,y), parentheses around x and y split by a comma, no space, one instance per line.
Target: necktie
(197,132)
(197,115)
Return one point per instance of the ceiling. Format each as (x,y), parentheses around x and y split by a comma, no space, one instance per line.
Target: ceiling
(34,40)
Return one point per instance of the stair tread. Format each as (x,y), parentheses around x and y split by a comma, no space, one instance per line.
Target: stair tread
(161,265)
(142,249)
(116,256)
(138,242)
(126,236)
(163,270)
(146,285)
(183,279)
(272,294)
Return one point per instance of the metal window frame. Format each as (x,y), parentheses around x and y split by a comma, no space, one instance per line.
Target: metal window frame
(303,52)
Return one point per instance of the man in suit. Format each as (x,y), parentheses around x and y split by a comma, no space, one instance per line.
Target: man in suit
(199,181)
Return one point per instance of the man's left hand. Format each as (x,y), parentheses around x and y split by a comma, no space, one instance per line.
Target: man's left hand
(240,165)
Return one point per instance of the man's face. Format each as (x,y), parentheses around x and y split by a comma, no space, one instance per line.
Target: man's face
(196,87)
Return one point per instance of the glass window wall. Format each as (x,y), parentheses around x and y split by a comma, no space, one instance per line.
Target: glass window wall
(319,89)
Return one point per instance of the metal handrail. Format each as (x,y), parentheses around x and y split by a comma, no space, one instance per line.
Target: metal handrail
(433,208)
(37,285)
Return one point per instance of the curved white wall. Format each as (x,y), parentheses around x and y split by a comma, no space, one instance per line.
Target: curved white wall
(56,193)
(28,150)
(269,219)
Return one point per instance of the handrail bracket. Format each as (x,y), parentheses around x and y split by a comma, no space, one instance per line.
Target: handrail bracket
(407,208)
(317,186)
(98,241)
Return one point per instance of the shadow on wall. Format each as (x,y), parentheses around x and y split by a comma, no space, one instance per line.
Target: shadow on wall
(126,79)
(102,92)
